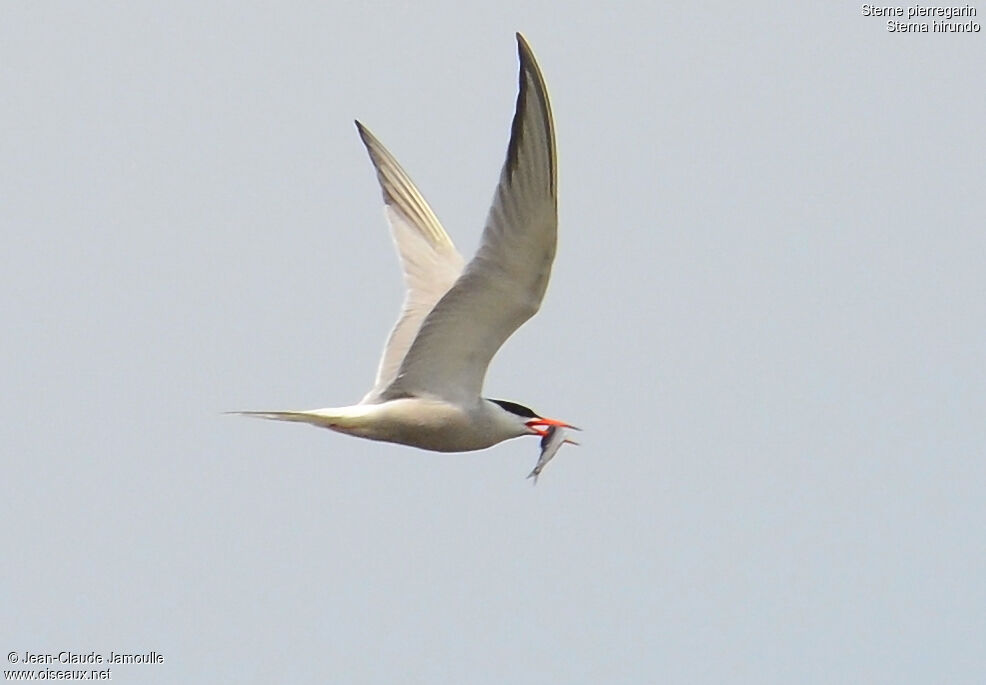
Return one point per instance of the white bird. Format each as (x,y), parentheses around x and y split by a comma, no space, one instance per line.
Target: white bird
(455,317)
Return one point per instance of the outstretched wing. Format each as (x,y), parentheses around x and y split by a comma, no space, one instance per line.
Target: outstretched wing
(503,285)
(430,261)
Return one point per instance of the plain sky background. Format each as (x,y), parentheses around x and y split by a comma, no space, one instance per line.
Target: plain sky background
(767,311)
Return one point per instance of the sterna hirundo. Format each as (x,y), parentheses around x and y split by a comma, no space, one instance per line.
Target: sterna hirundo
(456,315)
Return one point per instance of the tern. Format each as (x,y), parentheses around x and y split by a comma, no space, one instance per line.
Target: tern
(428,389)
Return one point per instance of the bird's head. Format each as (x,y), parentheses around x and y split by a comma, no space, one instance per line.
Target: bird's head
(534,423)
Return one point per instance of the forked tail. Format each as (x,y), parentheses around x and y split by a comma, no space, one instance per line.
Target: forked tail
(302,416)
(342,419)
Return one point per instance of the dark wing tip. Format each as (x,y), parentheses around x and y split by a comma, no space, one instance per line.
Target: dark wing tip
(531,79)
(524,48)
(378,153)
(364,133)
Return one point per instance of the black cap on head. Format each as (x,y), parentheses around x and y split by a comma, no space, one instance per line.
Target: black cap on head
(518,409)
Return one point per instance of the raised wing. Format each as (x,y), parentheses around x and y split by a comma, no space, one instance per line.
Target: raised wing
(503,285)
(430,261)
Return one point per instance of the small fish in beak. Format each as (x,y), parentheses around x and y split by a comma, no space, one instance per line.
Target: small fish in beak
(551,442)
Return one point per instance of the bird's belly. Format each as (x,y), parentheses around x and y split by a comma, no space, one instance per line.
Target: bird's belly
(427,424)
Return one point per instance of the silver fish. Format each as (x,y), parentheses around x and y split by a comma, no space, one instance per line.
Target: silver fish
(552,441)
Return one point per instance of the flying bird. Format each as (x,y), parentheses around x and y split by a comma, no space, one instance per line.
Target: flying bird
(428,389)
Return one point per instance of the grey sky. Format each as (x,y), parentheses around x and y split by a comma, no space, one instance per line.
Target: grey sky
(767,311)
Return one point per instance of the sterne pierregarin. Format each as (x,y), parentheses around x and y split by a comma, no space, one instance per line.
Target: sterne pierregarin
(456,316)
